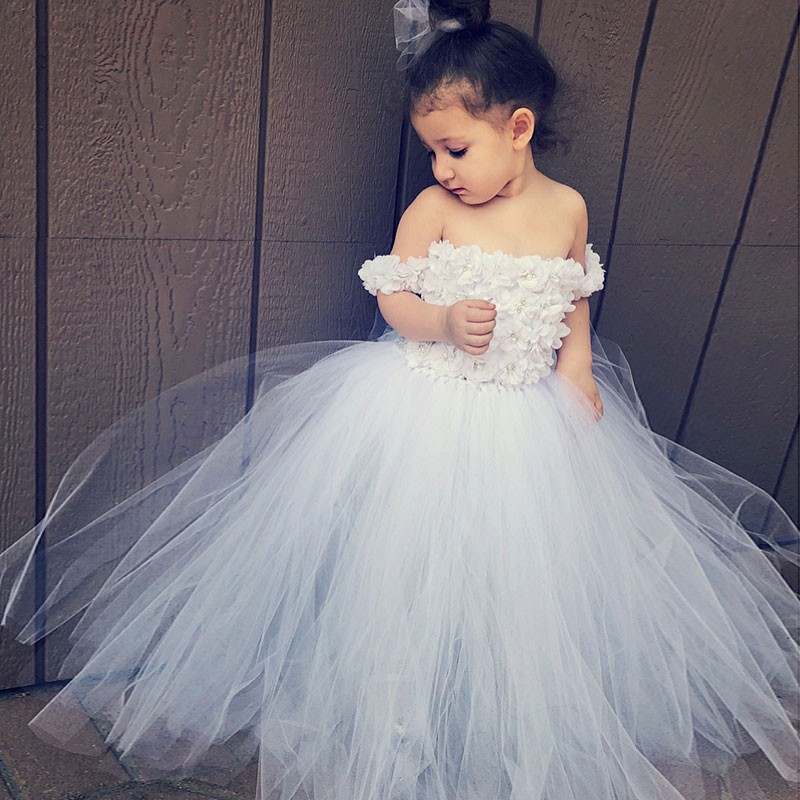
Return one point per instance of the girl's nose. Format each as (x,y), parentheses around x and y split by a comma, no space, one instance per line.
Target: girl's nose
(442,171)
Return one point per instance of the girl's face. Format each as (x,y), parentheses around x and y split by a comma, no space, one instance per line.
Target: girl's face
(472,158)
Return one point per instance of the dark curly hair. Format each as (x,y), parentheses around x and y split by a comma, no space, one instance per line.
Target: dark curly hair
(489,65)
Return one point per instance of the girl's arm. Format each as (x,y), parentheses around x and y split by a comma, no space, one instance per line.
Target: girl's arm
(575,354)
(576,350)
(467,324)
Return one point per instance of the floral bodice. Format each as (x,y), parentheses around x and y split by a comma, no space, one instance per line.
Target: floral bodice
(531,294)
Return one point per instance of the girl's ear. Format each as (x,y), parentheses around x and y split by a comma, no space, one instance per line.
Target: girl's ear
(521,124)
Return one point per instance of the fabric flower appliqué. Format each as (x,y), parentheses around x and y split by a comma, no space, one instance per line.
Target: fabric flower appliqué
(531,294)
(387,274)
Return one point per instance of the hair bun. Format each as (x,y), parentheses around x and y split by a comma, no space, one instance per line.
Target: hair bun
(471,13)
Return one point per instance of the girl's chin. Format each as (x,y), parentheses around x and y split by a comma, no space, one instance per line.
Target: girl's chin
(474,199)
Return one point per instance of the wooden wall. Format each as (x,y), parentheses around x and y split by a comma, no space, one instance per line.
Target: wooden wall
(183,181)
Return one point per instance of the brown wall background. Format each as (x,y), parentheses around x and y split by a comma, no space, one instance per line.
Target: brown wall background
(182,181)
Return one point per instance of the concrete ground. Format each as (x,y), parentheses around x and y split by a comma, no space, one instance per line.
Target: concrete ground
(30,769)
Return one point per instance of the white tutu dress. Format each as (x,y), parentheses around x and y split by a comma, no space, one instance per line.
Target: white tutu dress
(408,573)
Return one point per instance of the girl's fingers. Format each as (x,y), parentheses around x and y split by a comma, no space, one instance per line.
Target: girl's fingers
(478,310)
(479,304)
(479,340)
(480,315)
(481,327)
(475,351)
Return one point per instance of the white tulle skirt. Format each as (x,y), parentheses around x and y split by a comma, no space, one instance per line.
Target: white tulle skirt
(391,587)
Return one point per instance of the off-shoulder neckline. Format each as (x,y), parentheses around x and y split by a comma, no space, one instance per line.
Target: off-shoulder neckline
(502,254)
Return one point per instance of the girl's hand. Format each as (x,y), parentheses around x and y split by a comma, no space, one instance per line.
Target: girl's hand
(583,380)
(468,324)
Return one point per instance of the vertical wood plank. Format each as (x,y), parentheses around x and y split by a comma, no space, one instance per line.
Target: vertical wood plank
(17,118)
(686,180)
(129,319)
(331,166)
(418,174)
(745,405)
(17,296)
(17,400)
(707,84)
(773,215)
(331,304)
(594,46)
(154,118)
(333,123)
(788,494)
(154,127)
(519,13)
(744,409)
(657,310)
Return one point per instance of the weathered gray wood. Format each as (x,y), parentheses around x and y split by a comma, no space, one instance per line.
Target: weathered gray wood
(788,491)
(773,215)
(657,310)
(331,167)
(129,319)
(17,325)
(154,118)
(330,303)
(745,406)
(418,174)
(333,124)
(17,414)
(706,88)
(744,410)
(594,46)
(17,118)
(519,13)
(154,123)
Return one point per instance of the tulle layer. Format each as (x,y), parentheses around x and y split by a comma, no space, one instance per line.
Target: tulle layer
(388,586)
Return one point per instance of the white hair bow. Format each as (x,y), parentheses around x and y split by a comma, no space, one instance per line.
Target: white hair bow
(413,32)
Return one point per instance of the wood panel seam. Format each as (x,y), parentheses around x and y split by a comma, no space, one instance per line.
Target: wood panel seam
(762,149)
(401,200)
(260,189)
(785,461)
(537,20)
(40,316)
(637,74)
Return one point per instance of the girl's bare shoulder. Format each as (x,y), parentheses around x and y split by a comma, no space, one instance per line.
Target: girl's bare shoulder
(571,206)
(434,199)
(557,213)
(567,199)
(422,222)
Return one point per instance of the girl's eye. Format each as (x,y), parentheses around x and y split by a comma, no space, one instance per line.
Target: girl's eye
(454,153)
